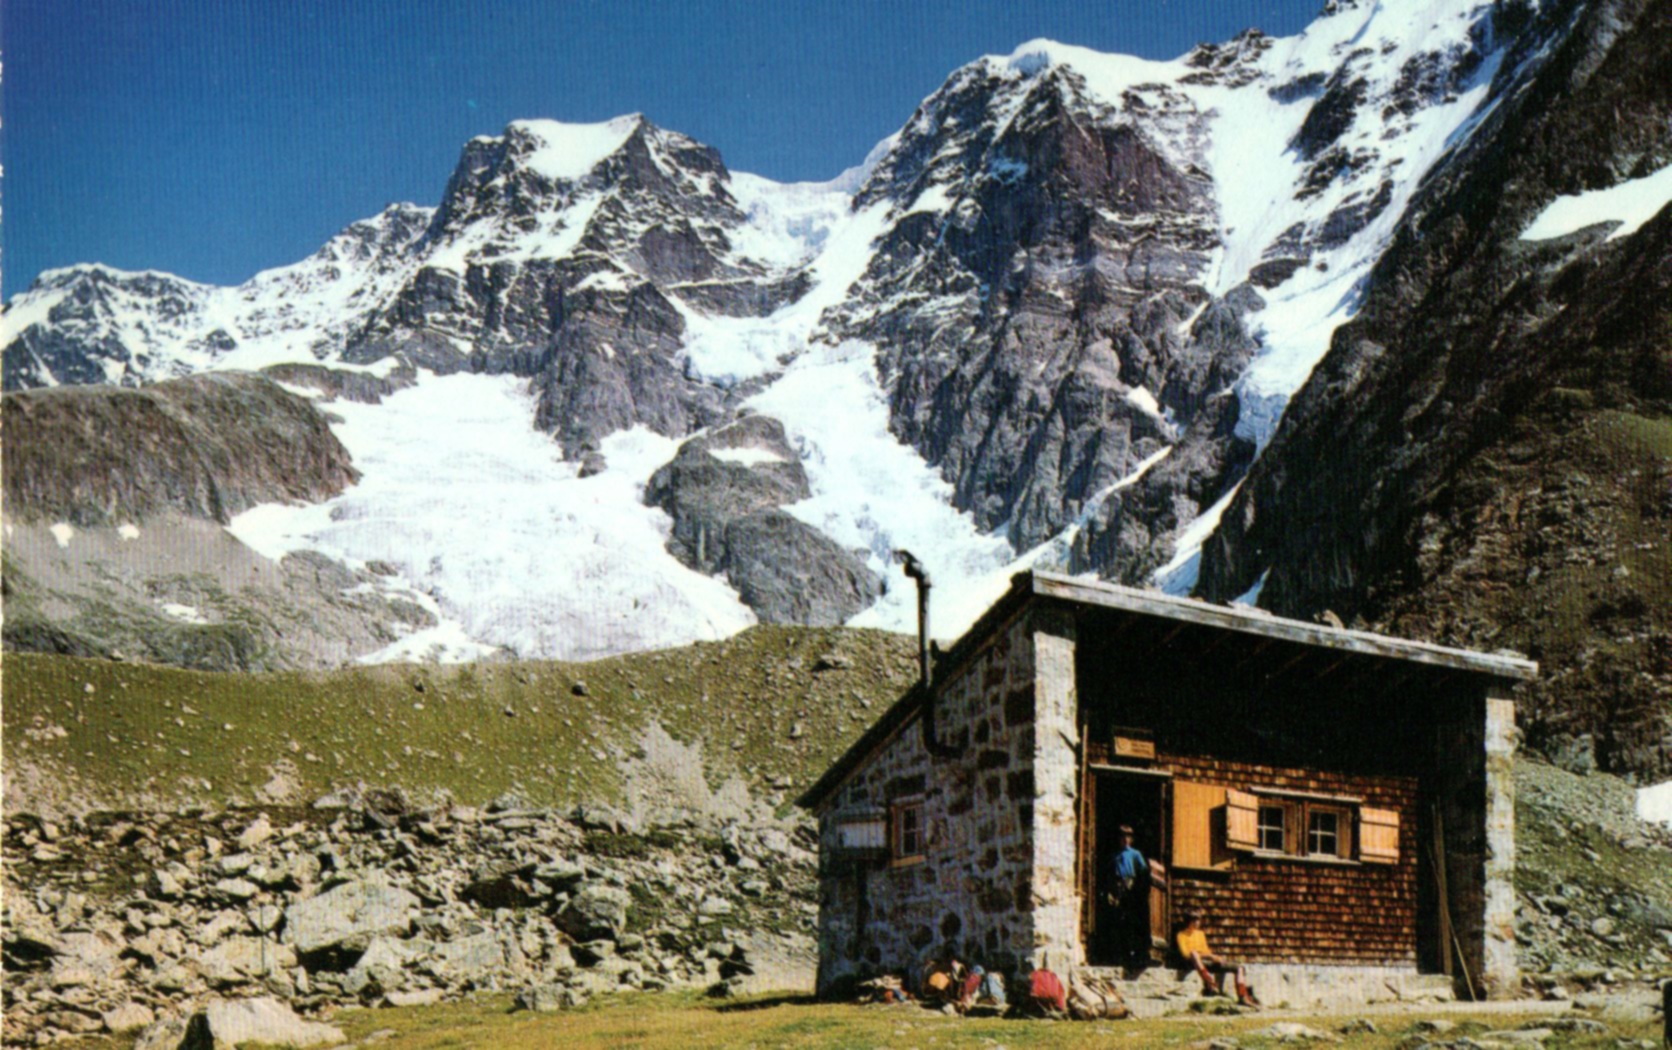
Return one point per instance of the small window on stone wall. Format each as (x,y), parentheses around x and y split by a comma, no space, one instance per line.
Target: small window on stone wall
(862,833)
(906,832)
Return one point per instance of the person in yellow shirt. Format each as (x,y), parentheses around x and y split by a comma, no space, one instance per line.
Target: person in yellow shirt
(1193,946)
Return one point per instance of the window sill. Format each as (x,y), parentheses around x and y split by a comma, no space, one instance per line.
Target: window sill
(1299,858)
(906,862)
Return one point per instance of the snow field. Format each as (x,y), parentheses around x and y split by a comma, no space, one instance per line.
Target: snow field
(514,549)
(569,151)
(873,493)
(1655,803)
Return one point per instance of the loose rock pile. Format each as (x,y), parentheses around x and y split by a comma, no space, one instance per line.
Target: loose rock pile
(1595,882)
(114,921)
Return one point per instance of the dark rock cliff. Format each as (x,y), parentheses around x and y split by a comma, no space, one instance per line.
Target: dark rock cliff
(1485,456)
(207,446)
(1037,330)
(724,491)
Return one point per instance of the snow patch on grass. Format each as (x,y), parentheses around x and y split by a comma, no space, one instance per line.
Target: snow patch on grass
(183,613)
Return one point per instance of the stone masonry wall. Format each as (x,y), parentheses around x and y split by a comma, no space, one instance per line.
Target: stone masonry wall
(972,892)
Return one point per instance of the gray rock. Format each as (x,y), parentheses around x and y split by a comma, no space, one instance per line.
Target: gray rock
(417,997)
(165,883)
(258,831)
(166,1034)
(239,960)
(234,890)
(595,913)
(348,916)
(722,490)
(225,1025)
(128,1016)
(477,953)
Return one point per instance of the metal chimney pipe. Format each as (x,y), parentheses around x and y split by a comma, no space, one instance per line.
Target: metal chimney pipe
(925,667)
(916,571)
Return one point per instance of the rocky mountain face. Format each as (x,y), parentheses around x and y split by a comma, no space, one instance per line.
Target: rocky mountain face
(1485,456)
(724,491)
(209,446)
(116,500)
(1054,320)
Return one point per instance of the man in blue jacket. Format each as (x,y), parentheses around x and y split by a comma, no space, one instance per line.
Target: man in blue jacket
(1126,885)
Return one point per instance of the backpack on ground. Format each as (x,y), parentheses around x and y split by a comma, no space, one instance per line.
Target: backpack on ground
(1095,998)
(1046,994)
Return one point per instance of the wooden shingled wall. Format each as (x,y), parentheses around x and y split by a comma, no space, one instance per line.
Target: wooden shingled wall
(1291,910)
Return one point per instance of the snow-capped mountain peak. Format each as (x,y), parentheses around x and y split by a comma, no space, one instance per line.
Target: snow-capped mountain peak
(1050,320)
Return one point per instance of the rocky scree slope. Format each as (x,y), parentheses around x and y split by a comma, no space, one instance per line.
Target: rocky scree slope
(1485,456)
(126,920)
(116,500)
(1078,287)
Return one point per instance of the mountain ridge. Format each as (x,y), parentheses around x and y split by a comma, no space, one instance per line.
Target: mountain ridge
(1056,320)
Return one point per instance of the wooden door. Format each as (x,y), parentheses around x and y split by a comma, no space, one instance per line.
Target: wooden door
(1160,919)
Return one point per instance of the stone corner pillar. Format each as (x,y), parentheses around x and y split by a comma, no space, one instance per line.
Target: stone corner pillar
(1056,779)
(1500,977)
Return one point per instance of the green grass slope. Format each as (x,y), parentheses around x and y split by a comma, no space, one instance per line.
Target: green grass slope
(772,706)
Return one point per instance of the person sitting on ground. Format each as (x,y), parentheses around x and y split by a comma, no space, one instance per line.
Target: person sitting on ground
(943,980)
(1193,946)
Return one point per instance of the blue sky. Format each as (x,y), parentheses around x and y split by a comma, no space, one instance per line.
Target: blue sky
(214,138)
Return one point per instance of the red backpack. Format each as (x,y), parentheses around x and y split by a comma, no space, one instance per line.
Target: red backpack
(1045,989)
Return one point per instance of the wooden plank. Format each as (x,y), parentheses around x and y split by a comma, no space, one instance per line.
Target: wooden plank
(1149,603)
(1314,796)
(1088,854)
(1135,771)
(1242,820)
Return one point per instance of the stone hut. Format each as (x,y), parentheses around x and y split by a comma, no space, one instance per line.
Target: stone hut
(1340,803)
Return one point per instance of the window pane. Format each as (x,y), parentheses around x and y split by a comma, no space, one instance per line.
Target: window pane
(1322,833)
(1271,828)
(908,830)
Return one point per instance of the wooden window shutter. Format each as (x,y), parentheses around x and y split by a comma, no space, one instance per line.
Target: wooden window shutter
(1193,806)
(1242,820)
(1379,836)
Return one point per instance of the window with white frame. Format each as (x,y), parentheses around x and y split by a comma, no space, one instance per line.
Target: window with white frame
(1273,828)
(1324,832)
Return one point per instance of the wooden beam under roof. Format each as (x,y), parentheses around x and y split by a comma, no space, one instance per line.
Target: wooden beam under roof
(1150,603)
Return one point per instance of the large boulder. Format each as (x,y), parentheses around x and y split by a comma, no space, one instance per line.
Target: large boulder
(595,913)
(224,1025)
(240,959)
(475,953)
(346,918)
